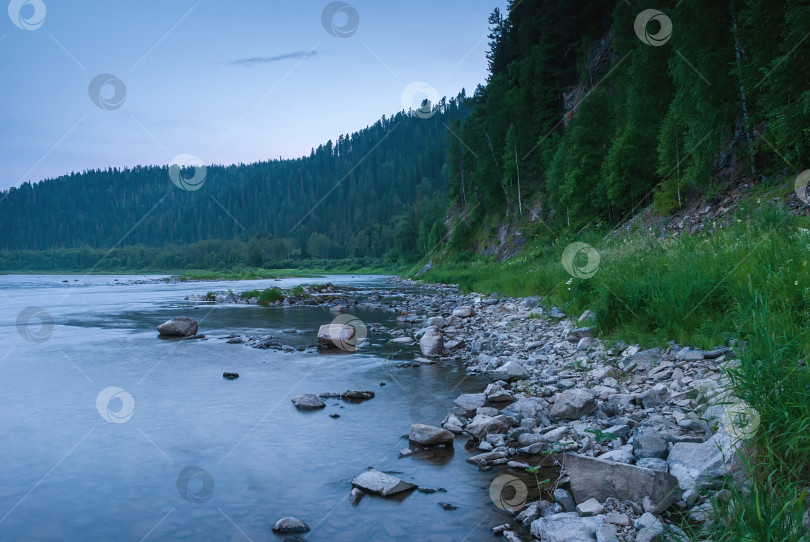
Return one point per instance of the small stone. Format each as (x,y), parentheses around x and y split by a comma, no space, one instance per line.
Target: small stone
(230,376)
(606,533)
(615,518)
(356,495)
(590,508)
(447,506)
(565,500)
(335,416)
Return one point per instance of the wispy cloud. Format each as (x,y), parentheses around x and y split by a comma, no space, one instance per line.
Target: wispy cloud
(296,55)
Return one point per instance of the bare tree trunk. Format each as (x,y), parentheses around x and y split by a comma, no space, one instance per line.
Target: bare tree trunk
(492,150)
(517,174)
(739,53)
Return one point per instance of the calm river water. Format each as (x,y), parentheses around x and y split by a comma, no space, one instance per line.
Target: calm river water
(109,433)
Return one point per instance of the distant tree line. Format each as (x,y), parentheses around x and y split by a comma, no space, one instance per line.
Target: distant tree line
(380,192)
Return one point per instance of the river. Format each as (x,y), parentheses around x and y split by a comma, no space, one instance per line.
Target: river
(109,433)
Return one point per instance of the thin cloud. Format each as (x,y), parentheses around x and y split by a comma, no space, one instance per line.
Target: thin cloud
(296,55)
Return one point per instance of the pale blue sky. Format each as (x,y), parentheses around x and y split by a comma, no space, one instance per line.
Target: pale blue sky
(229,81)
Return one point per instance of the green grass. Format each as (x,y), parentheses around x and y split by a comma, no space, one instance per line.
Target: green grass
(747,285)
(270,295)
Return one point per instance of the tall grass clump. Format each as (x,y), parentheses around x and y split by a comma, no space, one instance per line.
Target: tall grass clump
(270,295)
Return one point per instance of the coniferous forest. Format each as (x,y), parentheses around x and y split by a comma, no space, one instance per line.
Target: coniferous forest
(588,115)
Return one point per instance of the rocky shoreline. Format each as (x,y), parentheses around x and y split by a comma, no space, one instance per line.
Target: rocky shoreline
(636,439)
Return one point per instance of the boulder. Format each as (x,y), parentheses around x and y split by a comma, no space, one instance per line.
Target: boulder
(308,401)
(566,527)
(572,404)
(290,525)
(695,465)
(336,336)
(181,326)
(510,370)
(496,394)
(595,478)
(464,311)
(432,343)
(482,425)
(374,481)
(466,404)
(426,435)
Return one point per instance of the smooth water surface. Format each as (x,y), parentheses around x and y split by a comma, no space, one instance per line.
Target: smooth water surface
(192,456)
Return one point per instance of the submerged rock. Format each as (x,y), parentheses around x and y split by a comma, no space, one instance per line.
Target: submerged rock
(230,376)
(374,481)
(308,401)
(181,326)
(290,525)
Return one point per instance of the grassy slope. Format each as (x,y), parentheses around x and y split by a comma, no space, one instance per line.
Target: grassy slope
(747,285)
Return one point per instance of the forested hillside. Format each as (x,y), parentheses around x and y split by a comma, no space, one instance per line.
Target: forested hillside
(377,192)
(590,114)
(593,110)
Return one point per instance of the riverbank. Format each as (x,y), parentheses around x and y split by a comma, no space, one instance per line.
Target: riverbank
(661,428)
(743,286)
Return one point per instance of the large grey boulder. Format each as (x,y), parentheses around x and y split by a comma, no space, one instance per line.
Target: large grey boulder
(697,464)
(496,394)
(483,425)
(426,435)
(510,370)
(566,527)
(595,478)
(308,401)
(466,404)
(572,404)
(337,336)
(380,483)
(181,326)
(432,343)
